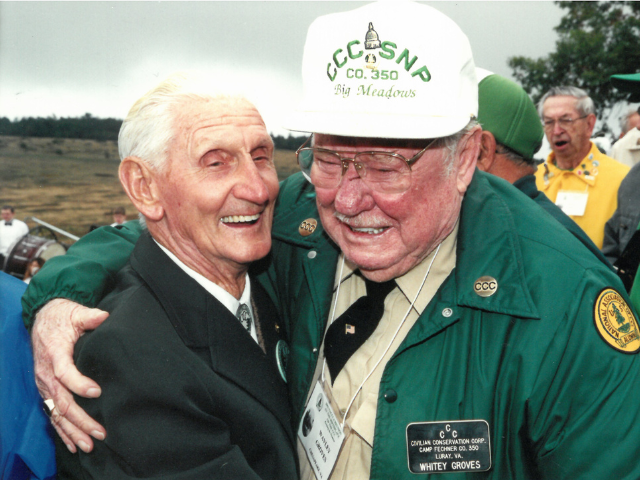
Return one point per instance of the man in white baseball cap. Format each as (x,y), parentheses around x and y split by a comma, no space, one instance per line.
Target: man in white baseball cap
(438,322)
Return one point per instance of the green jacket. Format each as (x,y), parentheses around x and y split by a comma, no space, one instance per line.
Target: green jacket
(559,401)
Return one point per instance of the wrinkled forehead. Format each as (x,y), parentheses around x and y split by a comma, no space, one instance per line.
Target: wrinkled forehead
(217,111)
(220,119)
(321,140)
(560,105)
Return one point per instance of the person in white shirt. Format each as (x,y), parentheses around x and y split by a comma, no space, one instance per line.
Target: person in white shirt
(627,149)
(11,229)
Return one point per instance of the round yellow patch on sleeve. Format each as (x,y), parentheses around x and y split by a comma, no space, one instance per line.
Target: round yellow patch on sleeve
(615,321)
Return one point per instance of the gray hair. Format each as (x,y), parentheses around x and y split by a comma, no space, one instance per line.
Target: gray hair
(148,130)
(452,143)
(584,105)
(514,156)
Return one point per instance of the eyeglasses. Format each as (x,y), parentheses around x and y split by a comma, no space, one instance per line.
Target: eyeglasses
(565,123)
(385,172)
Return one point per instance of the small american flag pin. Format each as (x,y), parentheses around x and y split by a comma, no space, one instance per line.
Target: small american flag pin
(349,329)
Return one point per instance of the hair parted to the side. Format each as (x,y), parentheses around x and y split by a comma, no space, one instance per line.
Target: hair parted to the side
(584,105)
(148,129)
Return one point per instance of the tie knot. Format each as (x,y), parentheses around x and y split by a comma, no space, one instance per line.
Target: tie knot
(379,290)
(351,329)
(244,315)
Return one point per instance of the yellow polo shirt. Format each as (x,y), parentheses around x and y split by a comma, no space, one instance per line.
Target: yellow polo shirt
(354,461)
(598,176)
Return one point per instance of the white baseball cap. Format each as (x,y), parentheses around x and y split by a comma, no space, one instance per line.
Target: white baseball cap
(386,70)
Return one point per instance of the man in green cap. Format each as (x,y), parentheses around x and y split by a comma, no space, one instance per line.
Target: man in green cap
(511,135)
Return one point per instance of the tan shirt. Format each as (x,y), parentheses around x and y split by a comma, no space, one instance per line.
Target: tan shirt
(354,461)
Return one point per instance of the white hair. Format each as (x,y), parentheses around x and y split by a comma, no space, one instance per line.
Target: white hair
(148,129)
(452,143)
(584,105)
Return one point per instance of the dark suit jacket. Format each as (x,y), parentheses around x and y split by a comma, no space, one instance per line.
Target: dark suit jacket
(186,392)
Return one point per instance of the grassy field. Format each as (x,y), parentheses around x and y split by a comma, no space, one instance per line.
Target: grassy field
(71,183)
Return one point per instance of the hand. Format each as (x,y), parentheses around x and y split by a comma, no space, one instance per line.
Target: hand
(57,327)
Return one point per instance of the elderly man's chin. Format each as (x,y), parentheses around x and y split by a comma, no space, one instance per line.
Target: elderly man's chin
(252,242)
(247,253)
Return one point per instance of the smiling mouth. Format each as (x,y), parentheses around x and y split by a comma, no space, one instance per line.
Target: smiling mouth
(241,219)
(369,230)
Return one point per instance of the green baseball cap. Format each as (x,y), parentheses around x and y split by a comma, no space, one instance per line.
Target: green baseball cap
(505,110)
(629,82)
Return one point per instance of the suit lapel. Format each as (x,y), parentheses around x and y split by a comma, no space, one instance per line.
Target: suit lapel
(202,321)
(240,359)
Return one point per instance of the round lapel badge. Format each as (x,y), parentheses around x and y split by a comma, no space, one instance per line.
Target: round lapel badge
(282,358)
(485,286)
(615,322)
(307,227)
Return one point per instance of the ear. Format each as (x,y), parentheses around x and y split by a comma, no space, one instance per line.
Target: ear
(468,149)
(487,151)
(591,123)
(141,185)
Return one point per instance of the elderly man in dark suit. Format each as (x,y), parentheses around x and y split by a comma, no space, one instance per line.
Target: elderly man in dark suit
(188,358)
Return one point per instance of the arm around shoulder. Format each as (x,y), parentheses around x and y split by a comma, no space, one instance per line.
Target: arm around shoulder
(86,273)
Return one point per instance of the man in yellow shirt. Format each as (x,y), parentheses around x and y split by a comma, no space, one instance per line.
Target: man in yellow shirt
(578,178)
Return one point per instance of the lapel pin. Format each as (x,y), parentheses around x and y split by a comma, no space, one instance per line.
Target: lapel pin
(485,286)
(307,227)
(282,358)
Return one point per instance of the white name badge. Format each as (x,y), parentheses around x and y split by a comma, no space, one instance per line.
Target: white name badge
(572,203)
(320,434)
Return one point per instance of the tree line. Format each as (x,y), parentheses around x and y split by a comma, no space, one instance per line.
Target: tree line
(86,127)
(595,41)
(89,127)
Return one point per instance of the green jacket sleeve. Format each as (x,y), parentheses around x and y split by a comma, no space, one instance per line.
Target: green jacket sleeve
(584,410)
(86,273)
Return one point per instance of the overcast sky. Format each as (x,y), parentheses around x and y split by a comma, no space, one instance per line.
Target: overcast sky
(70,58)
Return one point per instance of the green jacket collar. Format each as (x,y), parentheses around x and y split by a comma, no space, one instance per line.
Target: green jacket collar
(488,244)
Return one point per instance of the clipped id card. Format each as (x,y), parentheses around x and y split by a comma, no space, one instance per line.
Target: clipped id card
(320,434)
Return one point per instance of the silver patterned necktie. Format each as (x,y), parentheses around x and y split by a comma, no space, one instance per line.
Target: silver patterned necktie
(244,315)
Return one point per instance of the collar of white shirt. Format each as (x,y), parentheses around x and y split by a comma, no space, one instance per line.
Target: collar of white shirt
(224,297)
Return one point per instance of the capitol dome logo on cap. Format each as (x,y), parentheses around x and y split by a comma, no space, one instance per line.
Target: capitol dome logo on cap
(390,70)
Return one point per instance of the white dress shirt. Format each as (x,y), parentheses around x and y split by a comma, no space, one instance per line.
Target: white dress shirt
(224,297)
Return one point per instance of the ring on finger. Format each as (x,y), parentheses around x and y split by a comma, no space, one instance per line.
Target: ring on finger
(50,407)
